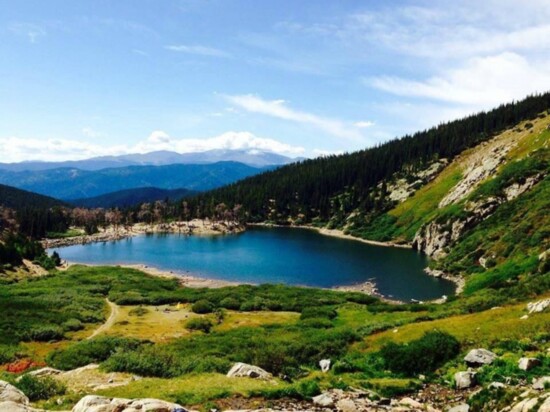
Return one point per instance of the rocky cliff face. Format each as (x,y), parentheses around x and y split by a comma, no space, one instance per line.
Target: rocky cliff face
(436,237)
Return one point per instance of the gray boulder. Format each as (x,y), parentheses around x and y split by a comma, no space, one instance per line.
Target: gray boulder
(528,363)
(13,400)
(93,403)
(465,380)
(9,393)
(463,407)
(539,306)
(244,370)
(541,383)
(324,364)
(479,357)
(323,399)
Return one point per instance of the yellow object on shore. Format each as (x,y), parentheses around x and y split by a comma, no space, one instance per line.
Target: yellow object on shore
(179,306)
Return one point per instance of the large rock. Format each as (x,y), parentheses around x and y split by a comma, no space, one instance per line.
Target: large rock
(536,307)
(93,403)
(42,373)
(323,399)
(13,400)
(525,405)
(244,370)
(9,393)
(541,383)
(528,363)
(545,407)
(463,407)
(465,380)
(479,357)
(324,364)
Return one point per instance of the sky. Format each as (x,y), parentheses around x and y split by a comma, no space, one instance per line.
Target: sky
(301,78)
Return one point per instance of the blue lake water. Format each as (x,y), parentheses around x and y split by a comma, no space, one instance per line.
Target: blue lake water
(273,255)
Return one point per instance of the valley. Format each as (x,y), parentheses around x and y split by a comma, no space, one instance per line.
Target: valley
(474,212)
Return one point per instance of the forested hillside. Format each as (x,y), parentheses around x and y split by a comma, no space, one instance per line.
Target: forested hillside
(17,199)
(310,190)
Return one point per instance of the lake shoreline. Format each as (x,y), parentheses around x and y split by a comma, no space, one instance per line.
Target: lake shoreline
(336,233)
(196,282)
(201,227)
(370,285)
(186,279)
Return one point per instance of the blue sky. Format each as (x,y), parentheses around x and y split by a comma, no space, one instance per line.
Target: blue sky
(302,78)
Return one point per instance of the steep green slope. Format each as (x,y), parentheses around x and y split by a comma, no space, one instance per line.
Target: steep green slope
(330,188)
(17,199)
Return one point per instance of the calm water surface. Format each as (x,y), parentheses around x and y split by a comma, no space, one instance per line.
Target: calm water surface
(273,255)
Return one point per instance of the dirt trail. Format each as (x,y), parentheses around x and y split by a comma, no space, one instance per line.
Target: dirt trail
(110,321)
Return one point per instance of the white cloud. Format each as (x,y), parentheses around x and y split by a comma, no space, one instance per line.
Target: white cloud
(363,124)
(16,149)
(32,31)
(279,109)
(198,49)
(480,82)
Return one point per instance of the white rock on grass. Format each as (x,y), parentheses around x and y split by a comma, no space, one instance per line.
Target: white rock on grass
(42,373)
(463,407)
(9,393)
(323,399)
(479,357)
(526,364)
(541,383)
(465,380)
(525,405)
(324,364)
(244,370)
(93,403)
(539,306)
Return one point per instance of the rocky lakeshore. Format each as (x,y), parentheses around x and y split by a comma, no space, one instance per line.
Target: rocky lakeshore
(111,233)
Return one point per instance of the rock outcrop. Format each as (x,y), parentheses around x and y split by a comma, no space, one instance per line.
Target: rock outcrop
(13,400)
(539,306)
(479,357)
(465,380)
(92,403)
(244,370)
(528,363)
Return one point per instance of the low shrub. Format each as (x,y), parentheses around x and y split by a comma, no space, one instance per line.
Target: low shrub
(72,325)
(8,353)
(318,313)
(89,351)
(201,324)
(423,355)
(44,333)
(202,306)
(40,388)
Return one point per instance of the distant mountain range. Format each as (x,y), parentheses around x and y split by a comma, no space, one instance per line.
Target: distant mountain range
(72,183)
(15,198)
(254,158)
(132,197)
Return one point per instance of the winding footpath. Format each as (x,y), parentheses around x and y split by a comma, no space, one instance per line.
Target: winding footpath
(110,321)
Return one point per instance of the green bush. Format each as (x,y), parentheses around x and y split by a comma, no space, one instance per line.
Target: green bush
(72,325)
(423,355)
(318,313)
(44,333)
(89,351)
(8,353)
(40,388)
(230,303)
(202,306)
(202,324)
